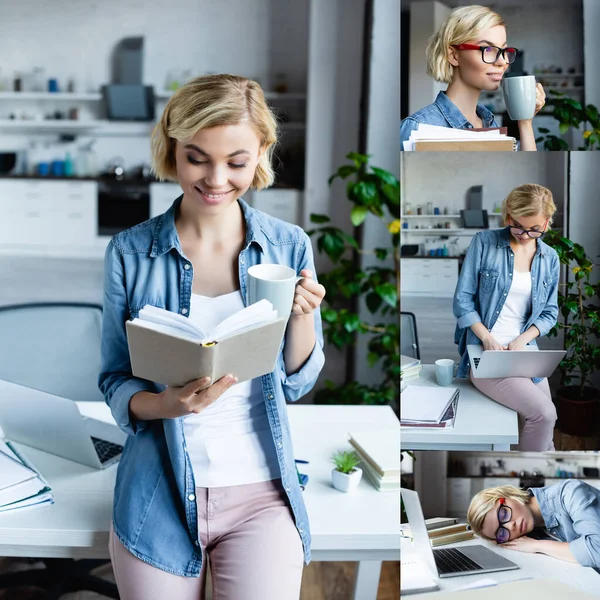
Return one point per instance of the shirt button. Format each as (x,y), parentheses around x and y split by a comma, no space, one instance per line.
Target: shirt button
(279,445)
(191,497)
(186,266)
(287,488)
(242,260)
(505,293)
(497,312)
(270,396)
(300,530)
(184,311)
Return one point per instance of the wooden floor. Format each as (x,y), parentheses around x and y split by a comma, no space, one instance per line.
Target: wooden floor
(320,581)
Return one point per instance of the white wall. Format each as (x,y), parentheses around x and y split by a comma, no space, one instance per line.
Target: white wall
(591,14)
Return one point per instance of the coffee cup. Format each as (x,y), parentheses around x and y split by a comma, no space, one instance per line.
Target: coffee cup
(519,97)
(275,283)
(444,371)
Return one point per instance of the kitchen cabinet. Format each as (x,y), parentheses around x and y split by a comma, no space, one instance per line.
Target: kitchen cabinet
(162,195)
(460,491)
(429,276)
(48,217)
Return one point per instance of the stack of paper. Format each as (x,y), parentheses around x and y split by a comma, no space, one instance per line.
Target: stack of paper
(432,137)
(409,368)
(380,457)
(21,486)
(428,406)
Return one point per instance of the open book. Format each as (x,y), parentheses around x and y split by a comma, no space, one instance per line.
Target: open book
(168,348)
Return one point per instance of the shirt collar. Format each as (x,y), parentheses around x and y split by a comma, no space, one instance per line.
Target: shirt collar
(456,119)
(504,240)
(166,237)
(546,509)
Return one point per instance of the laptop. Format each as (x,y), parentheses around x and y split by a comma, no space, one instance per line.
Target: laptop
(449,562)
(513,363)
(55,425)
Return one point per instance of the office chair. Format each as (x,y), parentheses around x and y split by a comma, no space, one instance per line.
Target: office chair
(409,340)
(55,347)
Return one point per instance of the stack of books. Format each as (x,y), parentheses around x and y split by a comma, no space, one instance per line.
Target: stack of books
(21,486)
(380,457)
(410,368)
(442,531)
(428,406)
(433,137)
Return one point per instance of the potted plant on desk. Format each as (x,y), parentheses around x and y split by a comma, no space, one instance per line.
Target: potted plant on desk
(346,475)
(578,399)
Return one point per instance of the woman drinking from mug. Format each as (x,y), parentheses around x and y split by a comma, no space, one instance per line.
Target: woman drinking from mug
(505,298)
(569,511)
(469,52)
(208,471)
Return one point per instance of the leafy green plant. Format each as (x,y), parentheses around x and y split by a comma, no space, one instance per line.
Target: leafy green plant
(581,316)
(571,113)
(345,461)
(377,192)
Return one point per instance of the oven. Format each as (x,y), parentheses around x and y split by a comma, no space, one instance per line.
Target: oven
(122,204)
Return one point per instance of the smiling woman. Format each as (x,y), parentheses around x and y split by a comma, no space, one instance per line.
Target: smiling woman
(569,512)
(470,53)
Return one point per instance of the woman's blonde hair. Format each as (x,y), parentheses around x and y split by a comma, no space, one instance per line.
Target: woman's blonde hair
(213,101)
(484,501)
(463,24)
(529,200)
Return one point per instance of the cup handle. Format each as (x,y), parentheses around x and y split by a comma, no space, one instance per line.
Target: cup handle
(299,278)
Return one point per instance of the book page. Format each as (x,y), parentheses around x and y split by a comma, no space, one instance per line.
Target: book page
(177,323)
(256,314)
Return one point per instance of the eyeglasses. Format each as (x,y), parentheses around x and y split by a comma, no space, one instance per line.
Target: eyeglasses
(532,233)
(504,516)
(491,54)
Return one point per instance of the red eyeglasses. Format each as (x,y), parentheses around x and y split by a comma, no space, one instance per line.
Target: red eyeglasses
(491,54)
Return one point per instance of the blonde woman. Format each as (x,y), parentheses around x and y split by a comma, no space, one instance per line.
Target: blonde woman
(469,52)
(209,474)
(569,511)
(505,298)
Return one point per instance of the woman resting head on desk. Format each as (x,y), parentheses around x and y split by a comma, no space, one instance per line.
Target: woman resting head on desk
(505,298)
(208,471)
(569,511)
(469,52)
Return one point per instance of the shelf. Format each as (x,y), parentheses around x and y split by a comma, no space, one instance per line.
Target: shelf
(99,127)
(557,75)
(441,216)
(441,231)
(165,94)
(50,96)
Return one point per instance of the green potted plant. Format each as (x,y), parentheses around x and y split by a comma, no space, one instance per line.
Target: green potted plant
(373,191)
(570,113)
(578,399)
(346,475)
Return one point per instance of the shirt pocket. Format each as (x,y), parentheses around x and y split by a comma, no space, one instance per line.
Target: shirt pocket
(487,280)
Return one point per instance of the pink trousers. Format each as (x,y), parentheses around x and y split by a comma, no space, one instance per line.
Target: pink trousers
(533,403)
(252,543)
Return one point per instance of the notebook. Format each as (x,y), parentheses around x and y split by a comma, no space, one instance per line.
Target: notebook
(381,450)
(425,404)
(168,348)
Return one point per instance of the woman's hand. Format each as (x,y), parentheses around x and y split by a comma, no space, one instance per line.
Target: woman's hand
(490,343)
(308,296)
(523,544)
(517,344)
(176,402)
(540,98)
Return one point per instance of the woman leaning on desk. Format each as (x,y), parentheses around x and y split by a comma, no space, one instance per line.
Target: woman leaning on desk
(569,511)
(505,298)
(209,472)
(469,52)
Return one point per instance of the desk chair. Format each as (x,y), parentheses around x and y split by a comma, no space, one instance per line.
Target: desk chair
(55,347)
(409,341)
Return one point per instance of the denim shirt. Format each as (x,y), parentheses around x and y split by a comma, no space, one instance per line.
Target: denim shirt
(155,513)
(443,113)
(484,283)
(571,512)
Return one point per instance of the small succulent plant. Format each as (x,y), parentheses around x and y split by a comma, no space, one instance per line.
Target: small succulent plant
(345,461)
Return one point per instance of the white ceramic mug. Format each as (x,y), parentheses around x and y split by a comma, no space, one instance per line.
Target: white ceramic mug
(444,371)
(519,97)
(275,283)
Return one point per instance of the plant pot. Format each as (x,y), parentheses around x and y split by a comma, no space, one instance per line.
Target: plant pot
(578,414)
(346,482)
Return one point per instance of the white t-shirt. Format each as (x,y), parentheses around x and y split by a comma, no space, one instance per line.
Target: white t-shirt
(516,309)
(230,441)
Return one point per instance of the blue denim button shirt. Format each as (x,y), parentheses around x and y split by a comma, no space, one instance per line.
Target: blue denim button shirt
(484,283)
(443,113)
(571,512)
(155,514)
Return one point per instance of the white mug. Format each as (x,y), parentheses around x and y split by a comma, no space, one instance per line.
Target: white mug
(275,283)
(519,96)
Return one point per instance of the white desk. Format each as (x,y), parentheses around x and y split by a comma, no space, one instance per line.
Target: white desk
(537,566)
(481,423)
(362,526)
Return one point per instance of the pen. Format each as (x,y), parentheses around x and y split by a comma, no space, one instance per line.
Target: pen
(303,462)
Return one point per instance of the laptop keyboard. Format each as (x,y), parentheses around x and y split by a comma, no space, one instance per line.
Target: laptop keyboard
(476,362)
(451,560)
(106,450)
